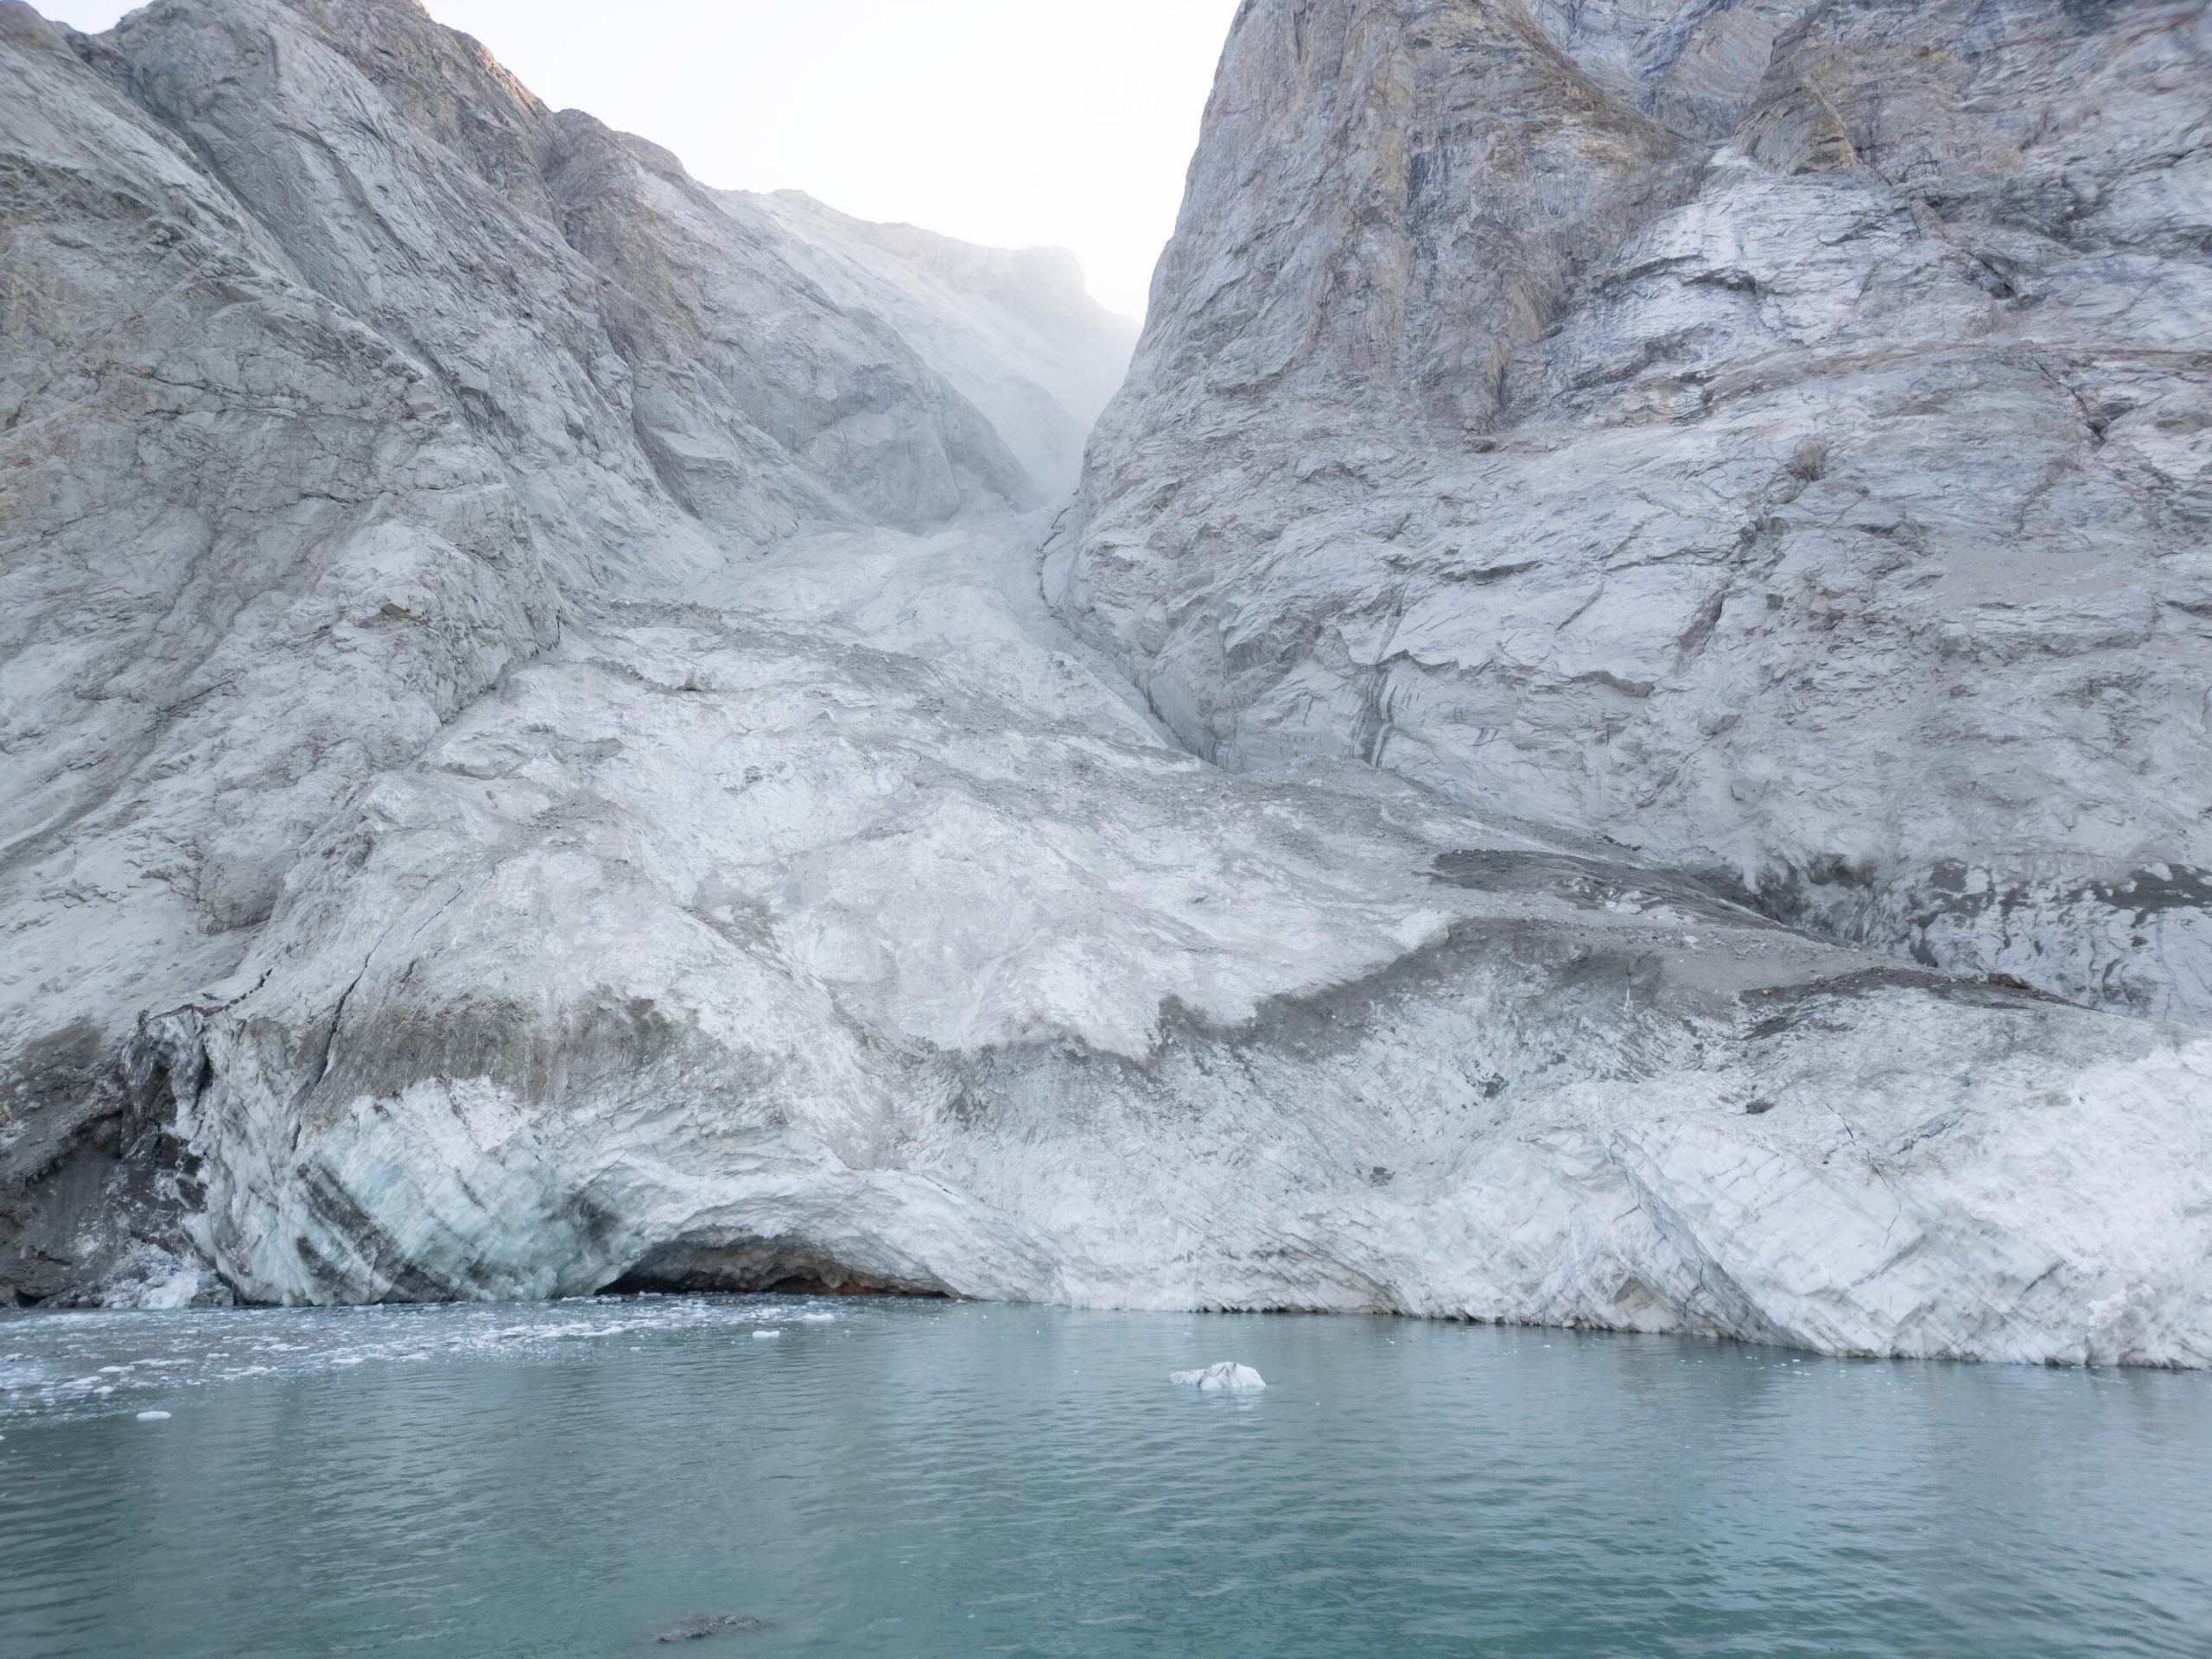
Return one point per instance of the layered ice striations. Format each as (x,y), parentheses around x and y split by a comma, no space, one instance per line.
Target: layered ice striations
(540,760)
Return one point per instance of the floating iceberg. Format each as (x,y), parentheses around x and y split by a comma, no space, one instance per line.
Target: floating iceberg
(153,1416)
(1227,1375)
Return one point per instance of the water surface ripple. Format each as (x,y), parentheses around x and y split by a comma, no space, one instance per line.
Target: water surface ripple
(926,1479)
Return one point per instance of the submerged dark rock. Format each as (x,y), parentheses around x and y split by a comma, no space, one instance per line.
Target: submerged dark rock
(700,1627)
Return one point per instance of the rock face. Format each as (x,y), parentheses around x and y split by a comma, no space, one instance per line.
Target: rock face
(334,369)
(541,763)
(1014,331)
(1772,436)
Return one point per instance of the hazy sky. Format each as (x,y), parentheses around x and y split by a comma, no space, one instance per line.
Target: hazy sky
(1012,122)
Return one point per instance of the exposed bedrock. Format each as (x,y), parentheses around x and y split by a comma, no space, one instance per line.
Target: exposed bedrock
(332,367)
(1774,436)
(722,952)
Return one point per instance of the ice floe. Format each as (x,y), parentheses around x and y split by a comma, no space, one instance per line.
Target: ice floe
(1227,1375)
(86,1363)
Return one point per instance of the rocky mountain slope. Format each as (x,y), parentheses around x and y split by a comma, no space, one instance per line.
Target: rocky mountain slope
(1773,435)
(540,762)
(335,369)
(1014,331)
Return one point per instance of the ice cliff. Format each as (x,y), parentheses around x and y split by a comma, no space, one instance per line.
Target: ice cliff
(556,735)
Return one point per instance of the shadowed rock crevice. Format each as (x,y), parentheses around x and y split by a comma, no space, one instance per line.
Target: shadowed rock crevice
(732,1263)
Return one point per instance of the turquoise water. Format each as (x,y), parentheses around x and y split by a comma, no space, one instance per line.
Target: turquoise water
(926,1479)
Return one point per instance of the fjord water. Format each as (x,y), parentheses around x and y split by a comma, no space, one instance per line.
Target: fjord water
(924,1479)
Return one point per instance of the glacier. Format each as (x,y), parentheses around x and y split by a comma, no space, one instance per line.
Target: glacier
(565,731)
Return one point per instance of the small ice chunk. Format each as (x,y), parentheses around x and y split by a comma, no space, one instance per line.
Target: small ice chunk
(153,1416)
(765,1336)
(1227,1375)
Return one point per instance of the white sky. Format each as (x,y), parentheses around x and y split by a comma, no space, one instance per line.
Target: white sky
(1010,121)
